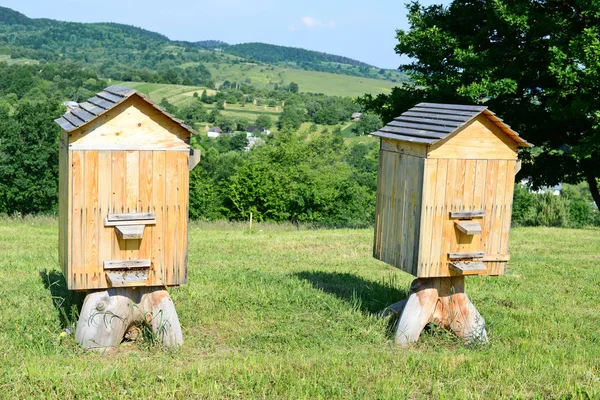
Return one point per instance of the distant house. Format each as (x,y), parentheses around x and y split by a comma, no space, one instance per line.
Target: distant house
(356,116)
(214,132)
(253,128)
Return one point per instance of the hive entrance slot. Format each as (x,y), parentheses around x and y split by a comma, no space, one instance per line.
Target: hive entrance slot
(468,268)
(127,273)
(467,214)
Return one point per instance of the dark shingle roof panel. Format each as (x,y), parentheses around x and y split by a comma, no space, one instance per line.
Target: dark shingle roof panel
(430,122)
(107,99)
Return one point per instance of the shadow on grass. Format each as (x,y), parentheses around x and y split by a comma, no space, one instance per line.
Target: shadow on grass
(67,303)
(370,297)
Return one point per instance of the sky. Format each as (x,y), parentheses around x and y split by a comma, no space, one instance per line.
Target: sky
(363,30)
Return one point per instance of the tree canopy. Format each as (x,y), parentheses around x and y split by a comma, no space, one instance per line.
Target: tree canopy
(536,63)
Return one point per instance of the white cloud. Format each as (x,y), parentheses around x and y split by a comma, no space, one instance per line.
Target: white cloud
(310,23)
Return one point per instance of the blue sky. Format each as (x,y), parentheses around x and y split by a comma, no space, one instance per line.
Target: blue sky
(364,30)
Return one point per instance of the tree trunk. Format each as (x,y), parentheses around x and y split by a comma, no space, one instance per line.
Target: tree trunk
(107,315)
(593,184)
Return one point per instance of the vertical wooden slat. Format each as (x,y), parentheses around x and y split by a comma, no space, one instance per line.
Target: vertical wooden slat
(472,242)
(105,234)
(132,192)
(158,207)
(118,200)
(508,201)
(171,217)
(412,213)
(78,201)
(426,220)
(68,251)
(459,186)
(440,216)
(496,231)
(479,197)
(182,210)
(90,230)
(378,220)
(490,197)
(398,201)
(145,203)
(448,235)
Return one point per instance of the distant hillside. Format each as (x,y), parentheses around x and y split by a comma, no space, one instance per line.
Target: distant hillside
(129,53)
(272,54)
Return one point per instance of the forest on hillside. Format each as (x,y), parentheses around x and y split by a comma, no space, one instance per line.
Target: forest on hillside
(129,53)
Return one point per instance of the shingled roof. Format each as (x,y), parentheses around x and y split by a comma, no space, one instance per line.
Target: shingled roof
(429,123)
(102,102)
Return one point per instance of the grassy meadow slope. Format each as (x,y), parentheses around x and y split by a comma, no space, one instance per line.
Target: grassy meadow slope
(287,313)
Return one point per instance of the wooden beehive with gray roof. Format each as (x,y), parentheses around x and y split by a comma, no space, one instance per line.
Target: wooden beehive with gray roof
(123,193)
(445,189)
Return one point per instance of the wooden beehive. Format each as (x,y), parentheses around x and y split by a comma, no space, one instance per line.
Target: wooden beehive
(123,193)
(445,189)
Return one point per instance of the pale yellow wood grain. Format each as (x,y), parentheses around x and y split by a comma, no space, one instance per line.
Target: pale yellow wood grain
(118,199)
(171,217)
(158,206)
(182,209)
(90,229)
(133,124)
(78,221)
(479,139)
(105,234)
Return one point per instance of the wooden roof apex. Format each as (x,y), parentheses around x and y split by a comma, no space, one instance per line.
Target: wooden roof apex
(429,123)
(101,103)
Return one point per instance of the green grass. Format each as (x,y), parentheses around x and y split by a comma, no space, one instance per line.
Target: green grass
(176,94)
(287,313)
(266,76)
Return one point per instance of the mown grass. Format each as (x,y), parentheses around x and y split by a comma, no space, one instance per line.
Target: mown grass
(291,313)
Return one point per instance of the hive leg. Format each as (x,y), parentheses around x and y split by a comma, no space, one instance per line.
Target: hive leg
(107,315)
(456,313)
(162,316)
(418,310)
(442,301)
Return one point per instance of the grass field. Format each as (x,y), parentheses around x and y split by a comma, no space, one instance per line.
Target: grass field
(176,94)
(288,313)
(266,76)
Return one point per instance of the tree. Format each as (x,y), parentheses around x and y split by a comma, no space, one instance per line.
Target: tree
(29,157)
(238,141)
(204,97)
(369,122)
(167,106)
(265,121)
(290,118)
(536,63)
(293,87)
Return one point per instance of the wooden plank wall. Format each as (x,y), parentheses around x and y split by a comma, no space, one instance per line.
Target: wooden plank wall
(107,181)
(63,204)
(465,185)
(398,214)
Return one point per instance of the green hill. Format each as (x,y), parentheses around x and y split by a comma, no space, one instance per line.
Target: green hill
(129,53)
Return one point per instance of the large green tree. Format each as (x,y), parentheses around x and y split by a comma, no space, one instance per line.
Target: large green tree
(29,157)
(536,63)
